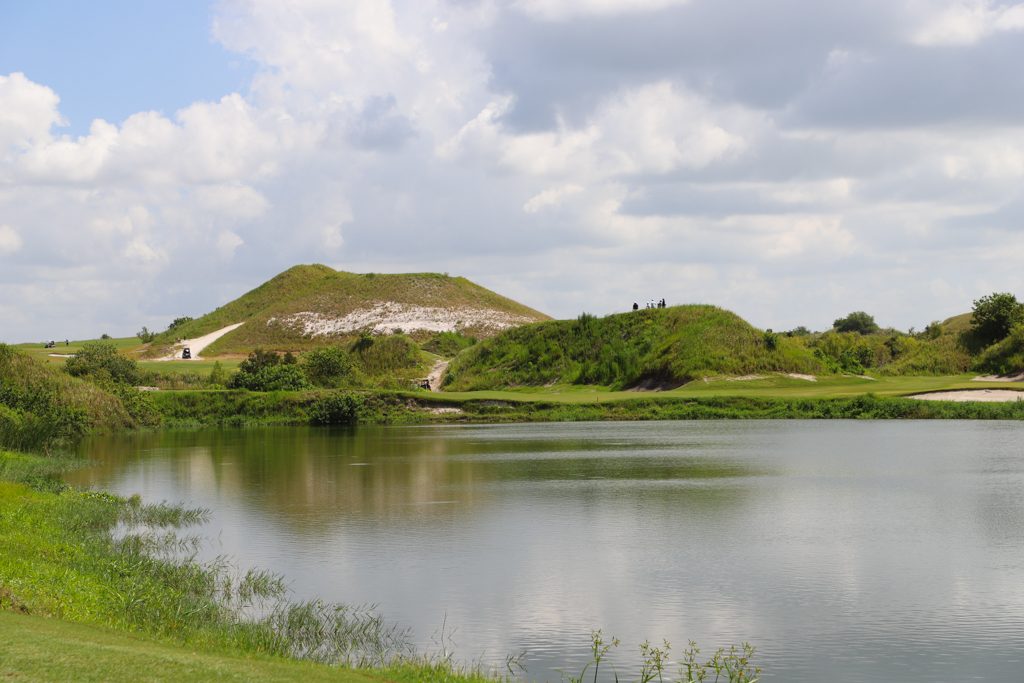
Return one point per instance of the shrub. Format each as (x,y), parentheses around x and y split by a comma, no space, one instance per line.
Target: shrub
(386,355)
(99,361)
(335,409)
(858,321)
(328,367)
(994,316)
(266,371)
(218,375)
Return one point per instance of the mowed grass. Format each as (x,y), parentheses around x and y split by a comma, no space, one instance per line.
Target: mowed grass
(129,346)
(771,386)
(42,649)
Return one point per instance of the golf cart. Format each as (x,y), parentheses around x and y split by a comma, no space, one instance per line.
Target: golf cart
(186,354)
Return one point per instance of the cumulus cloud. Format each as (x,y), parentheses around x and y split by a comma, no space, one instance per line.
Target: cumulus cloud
(964,22)
(779,161)
(10,240)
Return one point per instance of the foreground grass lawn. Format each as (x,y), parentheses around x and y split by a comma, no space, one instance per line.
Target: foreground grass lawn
(41,649)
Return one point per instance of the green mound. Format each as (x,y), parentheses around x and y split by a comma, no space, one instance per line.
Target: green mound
(659,348)
(40,404)
(281,313)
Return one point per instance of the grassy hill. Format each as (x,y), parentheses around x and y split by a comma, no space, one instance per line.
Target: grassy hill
(40,404)
(313,305)
(657,348)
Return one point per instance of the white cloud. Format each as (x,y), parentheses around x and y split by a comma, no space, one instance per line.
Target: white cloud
(552,196)
(560,10)
(965,22)
(10,240)
(653,128)
(228,242)
(27,112)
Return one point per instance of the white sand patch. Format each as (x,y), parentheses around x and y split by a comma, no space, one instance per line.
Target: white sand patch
(806,378)
(61,355)
(199,343)
(389,316)
(1019,377)
(744,378)
(444,411)
(982,395)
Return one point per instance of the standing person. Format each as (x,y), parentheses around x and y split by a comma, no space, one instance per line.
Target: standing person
(636,306)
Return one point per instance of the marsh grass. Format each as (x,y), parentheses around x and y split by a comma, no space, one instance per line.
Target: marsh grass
(732,665)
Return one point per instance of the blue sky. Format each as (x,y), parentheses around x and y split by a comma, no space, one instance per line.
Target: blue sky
(791,161)
(112,58)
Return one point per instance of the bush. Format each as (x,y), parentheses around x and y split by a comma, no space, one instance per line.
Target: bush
(858,321)
(994,316)
(218,375)
(100,361)
(144,335)
(386,355)
(328,367)
(266,371)
(335,409)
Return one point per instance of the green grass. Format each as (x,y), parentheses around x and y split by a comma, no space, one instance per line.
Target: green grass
(40,649)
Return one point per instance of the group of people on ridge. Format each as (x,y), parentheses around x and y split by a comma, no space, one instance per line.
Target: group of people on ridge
(650,304)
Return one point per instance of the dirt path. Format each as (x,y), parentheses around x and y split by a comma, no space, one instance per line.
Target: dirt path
(436,373)
(199,343)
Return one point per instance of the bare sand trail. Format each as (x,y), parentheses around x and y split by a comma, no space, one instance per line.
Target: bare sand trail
(981,395)
(199,343)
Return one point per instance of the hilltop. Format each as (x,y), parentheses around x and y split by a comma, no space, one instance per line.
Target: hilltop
(313,305)
(656,348)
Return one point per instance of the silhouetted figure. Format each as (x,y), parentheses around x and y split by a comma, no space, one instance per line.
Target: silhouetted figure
(636,306)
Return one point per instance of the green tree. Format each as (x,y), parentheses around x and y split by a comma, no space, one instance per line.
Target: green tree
(858,321)
(144,335)
(994,316)
(100,360)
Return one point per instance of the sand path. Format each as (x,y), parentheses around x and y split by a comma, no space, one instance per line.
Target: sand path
(982,395)
(199,343)
(436,373)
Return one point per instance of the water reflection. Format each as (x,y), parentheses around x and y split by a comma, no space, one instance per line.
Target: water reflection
(846,551)
(312,476)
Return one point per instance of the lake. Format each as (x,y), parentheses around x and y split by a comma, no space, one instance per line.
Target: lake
(843,550)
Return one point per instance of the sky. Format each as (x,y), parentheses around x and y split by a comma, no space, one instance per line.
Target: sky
(791,161)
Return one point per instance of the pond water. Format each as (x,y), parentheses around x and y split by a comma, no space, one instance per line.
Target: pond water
(844,551)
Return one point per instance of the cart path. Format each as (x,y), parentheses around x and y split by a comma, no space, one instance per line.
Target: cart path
(199,343)
(436,373)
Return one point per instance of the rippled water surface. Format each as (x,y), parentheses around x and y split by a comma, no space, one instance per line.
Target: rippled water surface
(845,551)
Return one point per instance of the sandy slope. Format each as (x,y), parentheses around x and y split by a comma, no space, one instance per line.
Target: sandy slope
(199,343)
(983,395)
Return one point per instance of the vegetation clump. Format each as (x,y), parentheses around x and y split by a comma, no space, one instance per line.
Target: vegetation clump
(994,316)
(858,321)
(268,371)
(101,361)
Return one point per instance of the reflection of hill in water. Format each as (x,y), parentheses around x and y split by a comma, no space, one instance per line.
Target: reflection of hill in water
(313,476)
